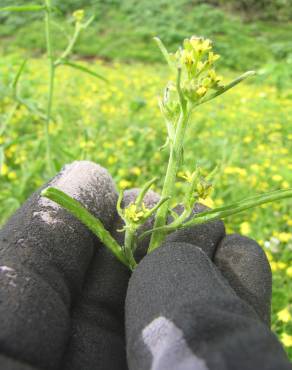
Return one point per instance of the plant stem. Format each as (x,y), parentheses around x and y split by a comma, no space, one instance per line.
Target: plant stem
(130,244)
(169,182)
(51,85)
(70,46)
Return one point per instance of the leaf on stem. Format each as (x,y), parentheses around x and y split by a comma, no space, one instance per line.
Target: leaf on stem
(164,51)
(232,209)
(23,8)
(83,215)
(143,191)
(83,69)
(228,87)
(223,212)
(88,22)
(17,77)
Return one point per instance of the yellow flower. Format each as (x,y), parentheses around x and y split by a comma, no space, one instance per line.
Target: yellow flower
(284,237)
(286,339)
(12,175)
(187,58)
(112,159)
(274,266)
(281,265)
(201,91)
(277,178)
(136,171)
(245,228)
(200,45)
(78,15)
(247,140)
(187,175)
(284,315)
(207,202)
(130,143)
(123,184)
(289,271)
(132,214)
(4,169)
(212,58)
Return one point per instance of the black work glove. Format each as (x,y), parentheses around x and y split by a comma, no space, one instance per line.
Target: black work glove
(62,293)
(202,302)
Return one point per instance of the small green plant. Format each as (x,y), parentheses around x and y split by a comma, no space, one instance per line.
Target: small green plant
(195,83)
(54,62)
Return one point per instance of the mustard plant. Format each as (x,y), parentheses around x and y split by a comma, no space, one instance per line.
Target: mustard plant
(54,62)
(195,82)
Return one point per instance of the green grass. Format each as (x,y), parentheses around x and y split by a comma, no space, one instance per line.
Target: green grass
(125,32)
(248,132)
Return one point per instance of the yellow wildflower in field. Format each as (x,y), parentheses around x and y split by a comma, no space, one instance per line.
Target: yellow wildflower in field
(12,175)
(277,178)
(123,184)
(136,171)
(245,228)
(284,315)
(4,169)
(284,237)
(286,339)
(289,271)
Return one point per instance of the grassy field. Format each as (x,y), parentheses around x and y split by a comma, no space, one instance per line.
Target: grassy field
(247,132)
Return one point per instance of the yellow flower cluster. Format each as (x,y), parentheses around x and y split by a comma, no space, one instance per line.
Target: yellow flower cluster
(198,60)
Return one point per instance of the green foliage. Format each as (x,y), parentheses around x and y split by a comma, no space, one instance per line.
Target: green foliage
(124,30)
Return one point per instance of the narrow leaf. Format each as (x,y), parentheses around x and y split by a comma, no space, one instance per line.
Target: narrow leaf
(17,76)
(228,86)
(83,69)
(144,190)
(23,8)
(163,51)
(223,212)
(81,213)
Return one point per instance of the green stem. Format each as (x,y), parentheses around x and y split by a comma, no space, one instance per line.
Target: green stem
(51,84)
(70,46)
(170,178)
(130,246)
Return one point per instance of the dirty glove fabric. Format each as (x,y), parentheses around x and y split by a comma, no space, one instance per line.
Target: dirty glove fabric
(194,304)
(61,293)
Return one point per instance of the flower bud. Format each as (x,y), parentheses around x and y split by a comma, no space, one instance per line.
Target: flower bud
(78,15)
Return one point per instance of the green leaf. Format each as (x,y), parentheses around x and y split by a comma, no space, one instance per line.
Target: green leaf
(83,69)
(229,86)
(23,8)
(143,191)
(164,51)
(17,76)
(232,209)
(93,223)
(226,211)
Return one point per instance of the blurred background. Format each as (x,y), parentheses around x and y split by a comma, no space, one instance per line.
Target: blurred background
(248,131)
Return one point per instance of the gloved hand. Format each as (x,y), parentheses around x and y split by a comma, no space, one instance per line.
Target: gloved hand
(62,294)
